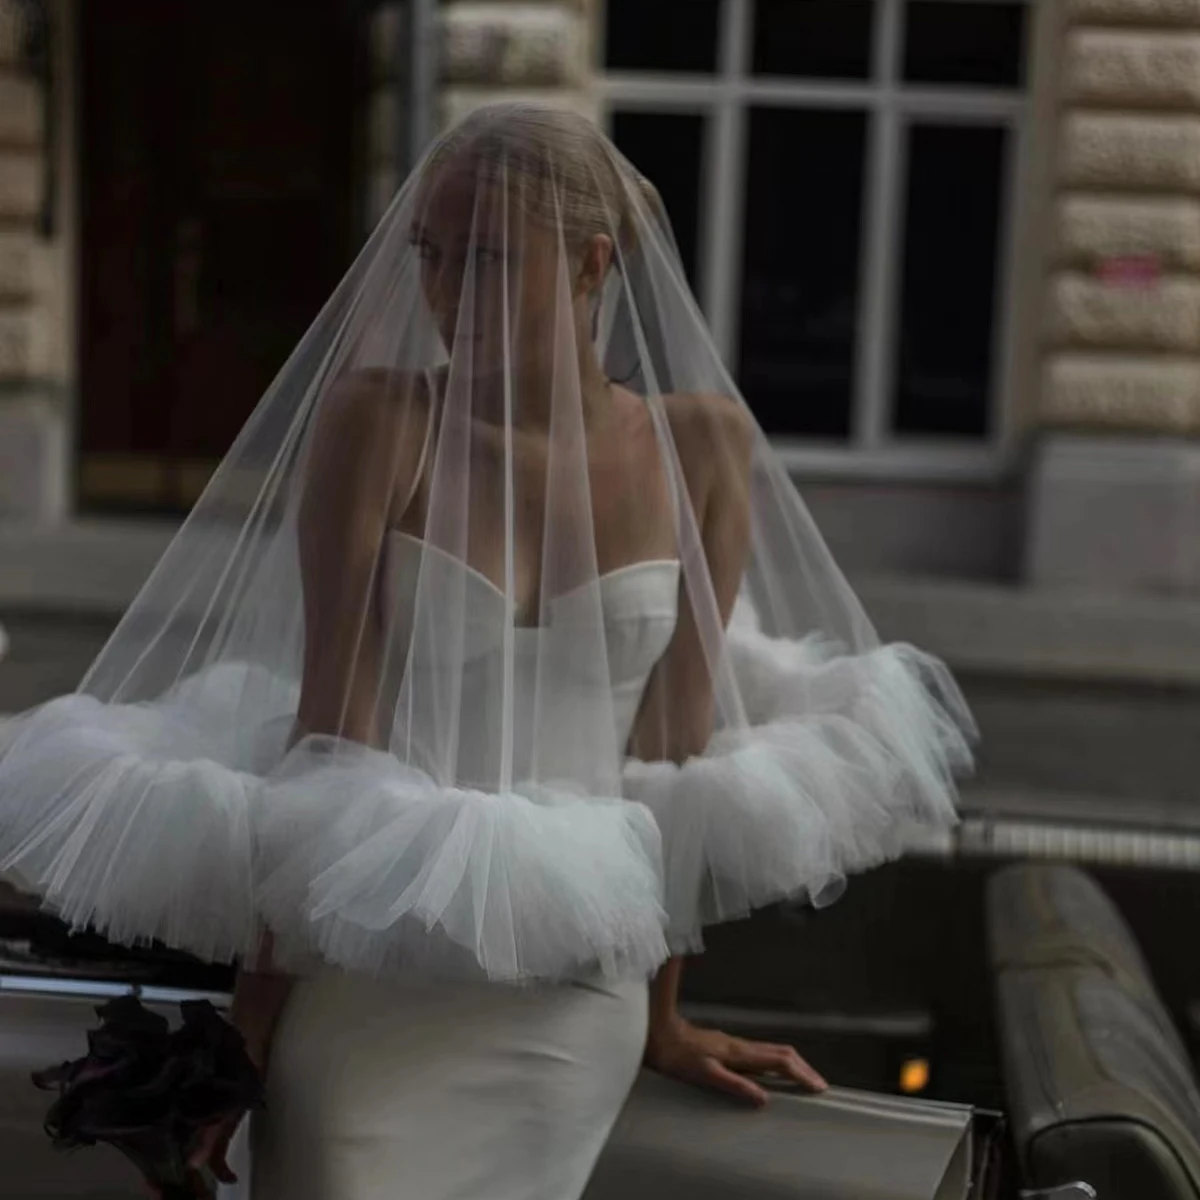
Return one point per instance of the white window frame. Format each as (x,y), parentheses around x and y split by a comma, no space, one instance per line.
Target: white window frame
(725,98)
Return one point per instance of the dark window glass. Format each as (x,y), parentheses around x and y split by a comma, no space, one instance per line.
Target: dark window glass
(661,35)
(801,268)
(818,39)
(668,148)
(964,42)
(948,299)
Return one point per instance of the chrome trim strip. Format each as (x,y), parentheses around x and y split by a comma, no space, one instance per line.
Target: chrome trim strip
(94,989)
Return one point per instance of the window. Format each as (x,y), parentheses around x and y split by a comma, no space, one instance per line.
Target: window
(801,249)
(840,174)
(820,39)
(662,37)
(674,143)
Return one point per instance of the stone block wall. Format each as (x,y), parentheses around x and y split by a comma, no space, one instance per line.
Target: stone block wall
(33,440)
(1122,331)
(486,50)
(496,49)
(1112,494)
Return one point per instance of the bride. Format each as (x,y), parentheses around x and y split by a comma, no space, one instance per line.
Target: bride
(499,658)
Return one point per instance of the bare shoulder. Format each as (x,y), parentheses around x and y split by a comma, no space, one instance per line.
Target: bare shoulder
(366,444)
(714,437)
(365,400)
(714,434)
(372,417)
(709,418)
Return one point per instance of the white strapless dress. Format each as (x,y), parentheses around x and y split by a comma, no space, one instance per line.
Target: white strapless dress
(187,819)
(389,1090)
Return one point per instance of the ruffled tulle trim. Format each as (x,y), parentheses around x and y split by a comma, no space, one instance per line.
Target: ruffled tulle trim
(376,868)
(117,816)
(845,758)
(175,822)
(123,820)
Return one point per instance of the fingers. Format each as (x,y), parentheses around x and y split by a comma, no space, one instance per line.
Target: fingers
(783,1061)
(206,1143)
(717,1075)
(715,1060)
(809,1076)
(218,1160)
(212,1152)
(791,1066)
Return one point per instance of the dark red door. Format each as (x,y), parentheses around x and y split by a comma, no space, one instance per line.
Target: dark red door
(218,161)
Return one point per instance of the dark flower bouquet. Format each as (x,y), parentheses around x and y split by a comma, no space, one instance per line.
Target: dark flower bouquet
(153,1092)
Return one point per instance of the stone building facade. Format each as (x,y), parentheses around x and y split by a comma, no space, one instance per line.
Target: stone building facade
(1099,479)
(1120,357)
(36,317)
(1128,190)
(484,50)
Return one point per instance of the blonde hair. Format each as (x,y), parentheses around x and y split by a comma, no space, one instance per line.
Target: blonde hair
(562,168)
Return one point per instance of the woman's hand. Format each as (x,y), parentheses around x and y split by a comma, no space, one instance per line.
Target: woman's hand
(710,1059)
(209,1158)
(212,1150)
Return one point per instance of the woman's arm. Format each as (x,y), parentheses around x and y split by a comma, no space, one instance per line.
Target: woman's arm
(259,995)
(366,448)
(713,437)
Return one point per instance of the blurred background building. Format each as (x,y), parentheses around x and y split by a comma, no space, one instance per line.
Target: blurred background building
(950,248)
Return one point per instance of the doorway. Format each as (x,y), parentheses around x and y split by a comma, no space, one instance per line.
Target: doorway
(218,146)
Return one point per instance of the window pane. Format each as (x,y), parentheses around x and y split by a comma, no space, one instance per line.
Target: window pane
(800,272)
(945,345)
(948,42)
(661,35)
(668,148)
(818,39)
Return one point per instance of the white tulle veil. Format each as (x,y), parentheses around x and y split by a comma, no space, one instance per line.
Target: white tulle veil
(501,642)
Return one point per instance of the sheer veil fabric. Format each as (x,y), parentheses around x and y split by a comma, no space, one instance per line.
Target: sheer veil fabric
(501,644)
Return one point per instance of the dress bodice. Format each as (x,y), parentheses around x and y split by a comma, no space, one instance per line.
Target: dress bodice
(566,711)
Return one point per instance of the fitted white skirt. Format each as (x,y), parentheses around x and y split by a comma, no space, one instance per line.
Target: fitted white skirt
(382,1090)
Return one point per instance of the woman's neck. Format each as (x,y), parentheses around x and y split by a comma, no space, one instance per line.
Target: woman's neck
(533,392)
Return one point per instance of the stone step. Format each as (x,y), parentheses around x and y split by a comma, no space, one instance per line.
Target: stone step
(1133,745)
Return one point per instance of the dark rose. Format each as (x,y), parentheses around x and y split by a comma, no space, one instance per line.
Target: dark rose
(150,1091)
